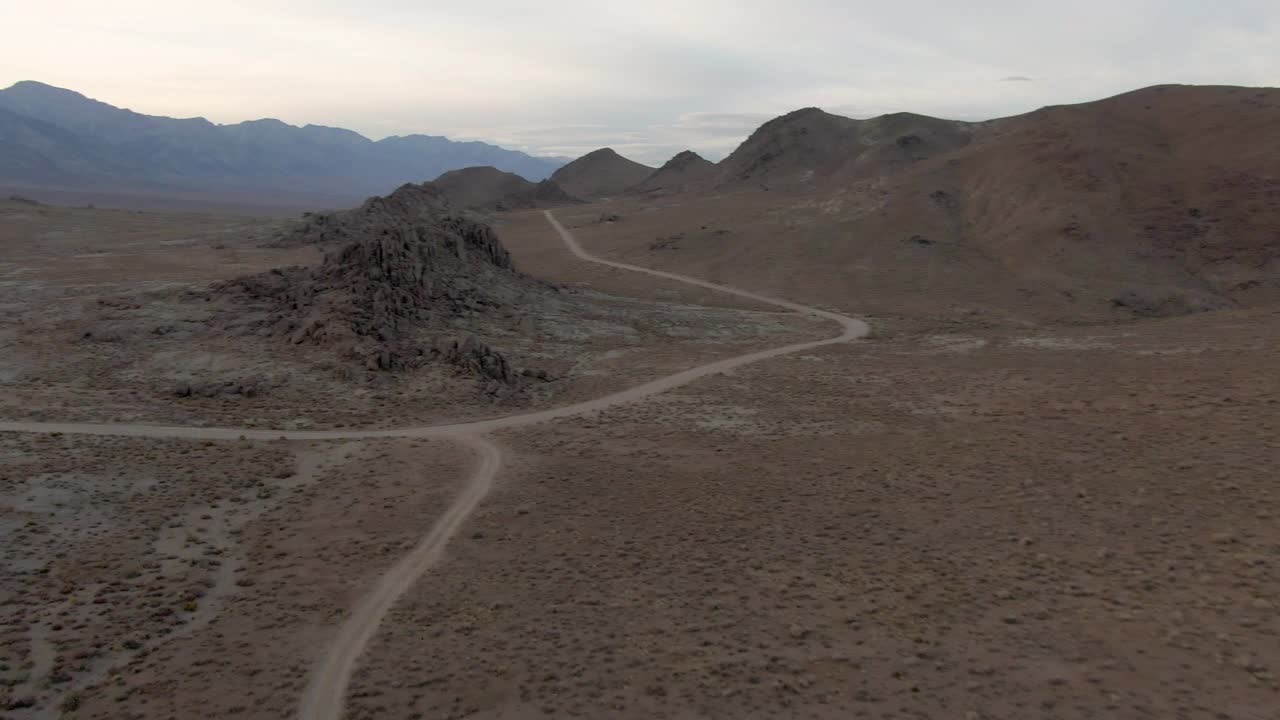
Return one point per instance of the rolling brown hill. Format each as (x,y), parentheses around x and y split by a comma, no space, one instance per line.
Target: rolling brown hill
(685,171)
(489,188)
(600,173)
(810,146)
(1161,201)
(1177,183)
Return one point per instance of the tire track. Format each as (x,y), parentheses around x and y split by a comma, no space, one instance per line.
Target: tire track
(326,694)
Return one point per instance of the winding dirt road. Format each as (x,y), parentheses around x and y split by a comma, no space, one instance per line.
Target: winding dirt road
(326,693)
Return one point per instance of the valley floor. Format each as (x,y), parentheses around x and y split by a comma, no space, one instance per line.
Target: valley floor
(985,521)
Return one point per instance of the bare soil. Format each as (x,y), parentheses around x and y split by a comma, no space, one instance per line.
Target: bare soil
(995,522)
(962,516)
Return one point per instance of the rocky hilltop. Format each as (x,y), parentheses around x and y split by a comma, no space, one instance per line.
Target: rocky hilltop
(488,188)
(402,272)
(815,147)
(685,171)
(600,173)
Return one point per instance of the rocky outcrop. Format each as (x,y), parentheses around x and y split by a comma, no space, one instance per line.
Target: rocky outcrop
(475,357)
(408,266)
(223,388)
(1168,302)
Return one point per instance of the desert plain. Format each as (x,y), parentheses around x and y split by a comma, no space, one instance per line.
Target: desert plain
(958,515)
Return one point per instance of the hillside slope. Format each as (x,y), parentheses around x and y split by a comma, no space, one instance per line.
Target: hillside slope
(600,173)
(1167,186)
(488,188)
(811,147)
(683,172)
(1161,201)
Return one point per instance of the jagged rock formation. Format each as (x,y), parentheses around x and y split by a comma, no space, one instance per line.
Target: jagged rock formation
(407,265)
(488,188)
(474,356)
(600,173)
(682,173)
(408,208)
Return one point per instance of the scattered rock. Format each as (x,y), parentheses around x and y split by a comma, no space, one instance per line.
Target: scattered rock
(475,357)
(670,242)
(1167,304)
(227,388)
(536,373)
(109,332)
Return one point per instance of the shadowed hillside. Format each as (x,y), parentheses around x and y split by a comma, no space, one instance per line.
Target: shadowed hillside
(1161,201)
(488,188)
(600,173)
(685,171)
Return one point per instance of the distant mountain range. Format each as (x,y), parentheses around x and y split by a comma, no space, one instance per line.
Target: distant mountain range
(59,140)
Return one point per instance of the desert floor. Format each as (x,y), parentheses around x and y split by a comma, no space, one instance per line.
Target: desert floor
(947,519)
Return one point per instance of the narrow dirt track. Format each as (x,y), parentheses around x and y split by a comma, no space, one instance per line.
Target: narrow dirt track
(326,693)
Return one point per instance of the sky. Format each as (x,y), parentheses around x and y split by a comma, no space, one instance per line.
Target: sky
(563,77)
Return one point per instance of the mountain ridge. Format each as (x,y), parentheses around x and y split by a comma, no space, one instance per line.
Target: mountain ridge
(487,188)
(70,141)
(1159,201)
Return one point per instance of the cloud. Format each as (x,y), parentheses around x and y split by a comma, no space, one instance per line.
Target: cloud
(654,78)
(715,123)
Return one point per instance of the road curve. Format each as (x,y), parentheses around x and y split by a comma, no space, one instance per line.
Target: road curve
(326,693)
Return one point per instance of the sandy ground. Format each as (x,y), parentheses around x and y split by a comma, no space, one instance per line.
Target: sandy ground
(1051,522)
(941,522)
(926,527)
(257,551)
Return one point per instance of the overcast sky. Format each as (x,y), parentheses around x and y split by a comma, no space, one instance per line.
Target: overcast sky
(648,78)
